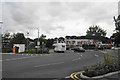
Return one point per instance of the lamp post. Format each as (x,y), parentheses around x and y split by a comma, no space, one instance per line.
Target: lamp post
(38,43)
(27,41)
(1,36)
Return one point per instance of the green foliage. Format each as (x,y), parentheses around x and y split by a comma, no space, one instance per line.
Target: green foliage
(49,43)
(35,51)
(117,23)
(30,51)
(116,36)
(7,50)
(86,46)
(102,68)
(18,38)
(96,31)
(107,58)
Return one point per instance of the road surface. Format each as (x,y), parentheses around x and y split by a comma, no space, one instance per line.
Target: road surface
(54,65)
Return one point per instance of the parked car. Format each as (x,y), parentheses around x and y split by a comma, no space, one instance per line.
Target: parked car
(79,49)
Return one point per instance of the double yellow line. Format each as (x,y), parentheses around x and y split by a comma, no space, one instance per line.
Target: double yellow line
(74,75)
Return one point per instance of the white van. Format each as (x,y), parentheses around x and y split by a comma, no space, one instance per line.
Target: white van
(60,47)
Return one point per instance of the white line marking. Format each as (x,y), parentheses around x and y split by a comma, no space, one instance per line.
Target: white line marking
(17,58)
(76,59)
(49,64)
(0,60)
(7,53)
(103,52)
(67,77)
(96,55)
(78,53)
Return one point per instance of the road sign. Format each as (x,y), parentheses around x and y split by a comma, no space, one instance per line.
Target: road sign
(38,43)
(37,46)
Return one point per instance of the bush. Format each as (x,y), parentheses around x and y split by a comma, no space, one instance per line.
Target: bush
(102,68)
(7,50)
(43,51)
(86,46)
(35,51)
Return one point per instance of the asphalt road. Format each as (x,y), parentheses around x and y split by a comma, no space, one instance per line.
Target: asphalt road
(54,65)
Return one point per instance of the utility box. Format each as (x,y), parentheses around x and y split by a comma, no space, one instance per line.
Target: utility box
(18,48)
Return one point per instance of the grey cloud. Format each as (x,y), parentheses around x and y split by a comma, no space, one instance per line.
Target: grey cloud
(101,12)
(21,16)
(17,15)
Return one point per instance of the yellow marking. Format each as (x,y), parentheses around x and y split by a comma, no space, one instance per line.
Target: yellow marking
(74,75)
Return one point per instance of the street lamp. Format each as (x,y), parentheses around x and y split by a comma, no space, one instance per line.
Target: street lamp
(27,41)
(1,36)
(38,43)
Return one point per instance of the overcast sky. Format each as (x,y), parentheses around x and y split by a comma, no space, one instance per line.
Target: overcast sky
(57,18)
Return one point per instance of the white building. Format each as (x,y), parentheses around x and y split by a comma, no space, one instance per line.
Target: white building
(80,42)
(21,47)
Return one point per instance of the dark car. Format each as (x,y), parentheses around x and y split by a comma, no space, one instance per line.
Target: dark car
(79,49)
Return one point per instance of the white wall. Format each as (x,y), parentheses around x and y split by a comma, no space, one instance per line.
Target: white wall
(21,47)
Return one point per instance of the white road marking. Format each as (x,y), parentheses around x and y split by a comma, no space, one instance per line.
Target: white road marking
(7,53)
(104,52)
(49,64)
(78,53)
(96,55)
(76,59)
(17,58)
(67,77)
(0,60)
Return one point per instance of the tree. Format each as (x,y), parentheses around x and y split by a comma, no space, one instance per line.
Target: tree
(6,36)
(117,23)
(96,31)
(18,38)
(49,43)
(42,40)
(43,36)
(61,39)
(6,43)
(116,36)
